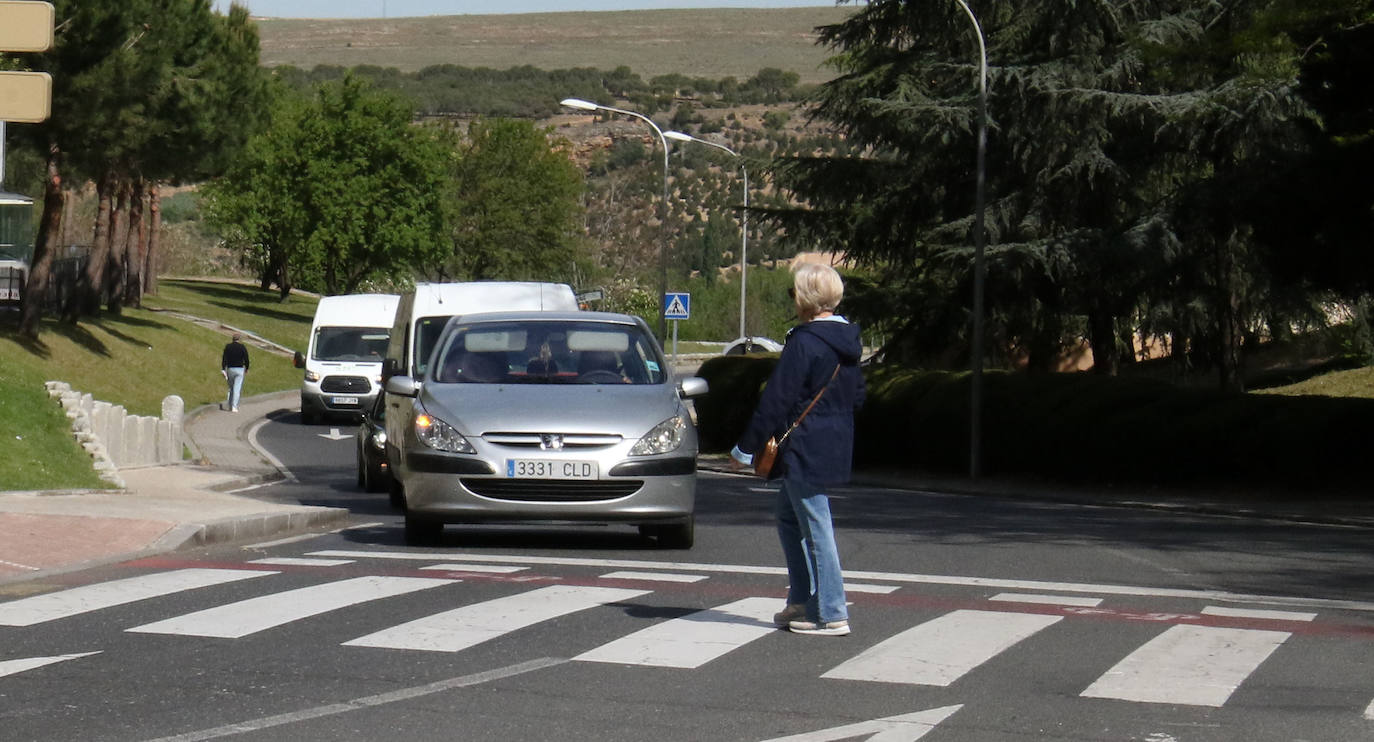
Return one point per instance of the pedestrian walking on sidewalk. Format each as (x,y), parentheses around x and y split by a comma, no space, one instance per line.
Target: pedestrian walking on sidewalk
(819,371)
(233,363)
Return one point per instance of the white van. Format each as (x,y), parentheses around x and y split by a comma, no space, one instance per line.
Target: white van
(422,314)
(343,365)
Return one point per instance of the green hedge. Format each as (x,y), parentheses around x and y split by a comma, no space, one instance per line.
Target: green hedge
(1078,428)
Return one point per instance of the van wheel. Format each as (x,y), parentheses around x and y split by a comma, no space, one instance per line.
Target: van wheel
(421,531)
(678,535)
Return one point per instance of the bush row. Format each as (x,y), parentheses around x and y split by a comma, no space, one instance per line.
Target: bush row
(1078,428)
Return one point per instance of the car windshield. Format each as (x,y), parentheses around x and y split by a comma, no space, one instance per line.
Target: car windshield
(367,344)
(549,352)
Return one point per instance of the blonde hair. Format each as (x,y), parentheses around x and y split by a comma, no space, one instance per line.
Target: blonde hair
(818,288)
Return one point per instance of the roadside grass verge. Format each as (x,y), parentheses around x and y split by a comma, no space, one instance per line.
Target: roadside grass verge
(133,359)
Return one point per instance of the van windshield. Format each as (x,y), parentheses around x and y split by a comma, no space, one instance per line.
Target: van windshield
(354,344)
(549,352)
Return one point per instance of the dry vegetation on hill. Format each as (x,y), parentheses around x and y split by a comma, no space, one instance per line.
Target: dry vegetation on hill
(698,43)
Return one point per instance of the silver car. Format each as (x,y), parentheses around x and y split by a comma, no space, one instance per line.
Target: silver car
(545,416)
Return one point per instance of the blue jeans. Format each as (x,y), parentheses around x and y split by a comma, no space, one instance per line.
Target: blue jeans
(808,546)
(234,375)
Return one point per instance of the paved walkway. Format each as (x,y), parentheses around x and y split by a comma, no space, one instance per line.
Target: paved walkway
(173,507)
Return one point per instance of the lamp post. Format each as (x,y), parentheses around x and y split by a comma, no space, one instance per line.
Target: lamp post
(975,458)
(744,217)
(586,105)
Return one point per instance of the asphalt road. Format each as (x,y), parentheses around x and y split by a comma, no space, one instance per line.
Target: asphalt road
(975,619)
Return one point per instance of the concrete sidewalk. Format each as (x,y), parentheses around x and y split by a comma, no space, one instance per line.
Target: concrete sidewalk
(164,508)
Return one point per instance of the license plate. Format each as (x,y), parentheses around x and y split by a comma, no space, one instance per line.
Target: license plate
(548,469)
(345,400)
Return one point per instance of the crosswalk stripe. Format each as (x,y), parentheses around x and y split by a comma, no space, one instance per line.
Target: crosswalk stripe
(51,606)
(1188,665)
(942,650)
(460,628)
(652,576)
(494,569)
(11,667)
(1213,610)
(301,562)
(693,640)
(1369,712)
(259,614)
(1047,599)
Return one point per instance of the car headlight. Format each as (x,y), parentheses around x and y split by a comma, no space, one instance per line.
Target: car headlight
(311,376)
(440,436)
(664,437)
(379,440)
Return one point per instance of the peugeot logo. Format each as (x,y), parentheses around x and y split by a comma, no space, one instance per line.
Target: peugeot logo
(550,442)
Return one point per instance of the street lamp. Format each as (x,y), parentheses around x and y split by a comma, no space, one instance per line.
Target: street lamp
(975,458)
(586,105)
(744,217)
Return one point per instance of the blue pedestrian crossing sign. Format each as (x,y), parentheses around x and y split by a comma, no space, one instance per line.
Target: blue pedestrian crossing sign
(677,306)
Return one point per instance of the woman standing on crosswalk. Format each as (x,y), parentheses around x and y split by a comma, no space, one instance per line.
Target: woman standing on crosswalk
(819,363)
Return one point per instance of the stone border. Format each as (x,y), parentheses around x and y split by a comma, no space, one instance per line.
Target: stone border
(115,438)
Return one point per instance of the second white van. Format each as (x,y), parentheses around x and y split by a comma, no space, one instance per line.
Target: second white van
(343,363)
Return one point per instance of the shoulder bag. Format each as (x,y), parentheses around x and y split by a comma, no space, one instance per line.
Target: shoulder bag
(763,460)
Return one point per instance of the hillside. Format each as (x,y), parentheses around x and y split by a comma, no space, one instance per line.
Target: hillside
(711,43)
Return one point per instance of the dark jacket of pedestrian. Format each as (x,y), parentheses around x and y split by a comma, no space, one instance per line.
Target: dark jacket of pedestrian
(820,451)
(235,355)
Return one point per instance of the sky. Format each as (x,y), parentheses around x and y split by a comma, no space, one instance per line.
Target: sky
(409,8)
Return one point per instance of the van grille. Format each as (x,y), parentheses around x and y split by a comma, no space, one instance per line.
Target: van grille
(552,490)
(346,385)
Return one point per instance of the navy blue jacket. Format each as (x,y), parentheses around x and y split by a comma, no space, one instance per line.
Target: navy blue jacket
(821,450)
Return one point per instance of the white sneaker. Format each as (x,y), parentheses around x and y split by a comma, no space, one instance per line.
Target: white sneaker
(824,628)
(233,409)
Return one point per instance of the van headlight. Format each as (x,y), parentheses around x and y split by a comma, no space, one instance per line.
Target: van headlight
(440,436)
(312,376)
(663,438)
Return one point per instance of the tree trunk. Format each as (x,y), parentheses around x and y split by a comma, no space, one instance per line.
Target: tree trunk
(135,252)
(49,236)
(154,231)
(93,290)
(117,267)
(1102,338)
(1229,335)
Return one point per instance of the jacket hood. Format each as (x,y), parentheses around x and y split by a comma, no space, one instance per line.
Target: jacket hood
(842,337)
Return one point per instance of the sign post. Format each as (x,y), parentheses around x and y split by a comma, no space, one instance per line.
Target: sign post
(25,97)
(677,306)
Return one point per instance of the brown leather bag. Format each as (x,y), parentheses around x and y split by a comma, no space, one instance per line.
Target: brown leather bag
(764,460)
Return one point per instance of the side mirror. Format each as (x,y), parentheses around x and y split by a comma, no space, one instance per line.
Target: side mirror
(390,367)
(298,360)
(692,386)
(403,386)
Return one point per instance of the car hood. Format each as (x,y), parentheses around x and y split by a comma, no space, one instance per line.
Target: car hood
(628,410)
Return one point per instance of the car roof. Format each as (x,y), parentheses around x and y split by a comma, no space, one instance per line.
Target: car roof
(607,317)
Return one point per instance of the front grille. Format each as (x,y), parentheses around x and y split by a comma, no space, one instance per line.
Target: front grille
(553,490)
(346,385)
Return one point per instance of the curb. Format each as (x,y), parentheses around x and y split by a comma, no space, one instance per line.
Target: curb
(228,530)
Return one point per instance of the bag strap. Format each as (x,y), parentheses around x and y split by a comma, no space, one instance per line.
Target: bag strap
(813,404)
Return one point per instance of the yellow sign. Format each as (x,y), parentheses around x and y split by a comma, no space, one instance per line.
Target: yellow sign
(25,97)
(25,26)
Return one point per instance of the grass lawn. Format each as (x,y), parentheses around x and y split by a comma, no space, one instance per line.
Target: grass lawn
(1355,382)
(134,359)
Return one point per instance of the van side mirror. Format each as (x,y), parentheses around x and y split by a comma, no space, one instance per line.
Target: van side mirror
(298,360)
(390,367)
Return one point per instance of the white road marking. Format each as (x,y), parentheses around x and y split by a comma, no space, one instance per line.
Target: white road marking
(1188,665)
(259,614)
(900,577)
(942,650)
(1212,610)
(693,640)
(862,587)
(460,628)
(301,562)
(77,600)
(263,452)
(12,667)
(495,569)
(653,576)
(357,704)
(1047,599)
(904,728)
(1369,712)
